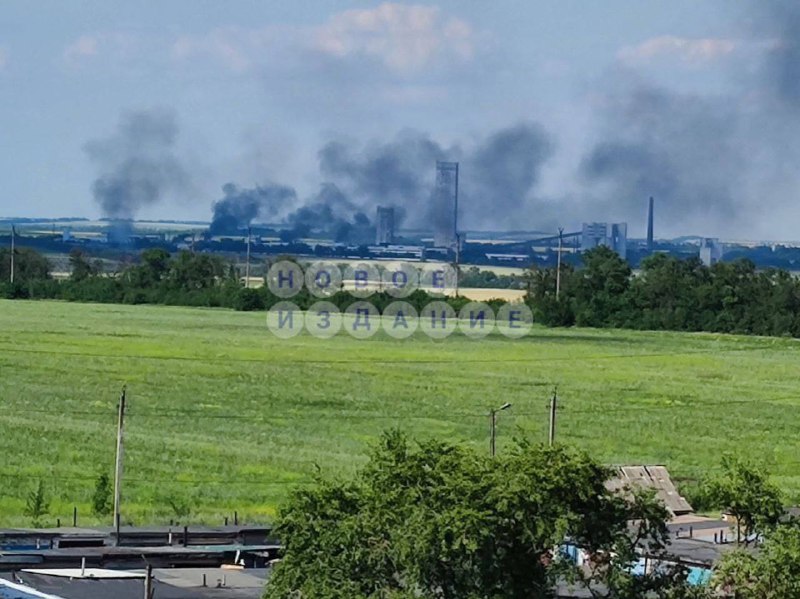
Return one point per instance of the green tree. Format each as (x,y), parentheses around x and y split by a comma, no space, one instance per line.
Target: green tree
(744,491)
(29,265)
(101,499)
(601,289)
(37,506)
(438,520)
(80,265)
(772,573)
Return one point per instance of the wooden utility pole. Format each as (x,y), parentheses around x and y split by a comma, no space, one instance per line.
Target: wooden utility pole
(493,435)
(558,268)
(118,466)
(493,427)
(13,234)
(551,437)
(148,582)
(247,264)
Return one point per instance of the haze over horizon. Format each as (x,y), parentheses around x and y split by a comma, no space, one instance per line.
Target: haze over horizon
(558,112)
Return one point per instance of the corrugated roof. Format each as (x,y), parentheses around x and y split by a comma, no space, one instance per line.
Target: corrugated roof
(651,477)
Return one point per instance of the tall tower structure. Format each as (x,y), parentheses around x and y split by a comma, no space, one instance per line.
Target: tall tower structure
(650,225)
(384,230)
(445,205)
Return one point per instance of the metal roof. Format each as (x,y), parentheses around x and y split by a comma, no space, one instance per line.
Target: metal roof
(651,477)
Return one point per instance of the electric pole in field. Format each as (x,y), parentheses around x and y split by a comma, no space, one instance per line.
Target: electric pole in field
(493,427)
(558,267)
(551,437)
(247,264)
(118,466)
(13,234)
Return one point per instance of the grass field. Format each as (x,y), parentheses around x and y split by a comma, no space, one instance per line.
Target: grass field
(225,417)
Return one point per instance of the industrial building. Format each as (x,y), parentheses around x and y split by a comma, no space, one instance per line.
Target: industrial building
(385,223)
(711,251)
(445,205)
(612,235)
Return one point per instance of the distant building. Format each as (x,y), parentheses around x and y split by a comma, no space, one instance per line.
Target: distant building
(612,235)
(384,230)
(445,205)
(711,251)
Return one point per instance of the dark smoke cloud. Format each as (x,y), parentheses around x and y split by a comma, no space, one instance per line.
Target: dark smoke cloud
(780,20)
(331,213)
(241,206)
(398,172)
(501,174)
(712,161)
(497,176)
(138,164)
(684,150)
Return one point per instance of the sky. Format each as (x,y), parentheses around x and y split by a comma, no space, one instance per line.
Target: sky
(560,112)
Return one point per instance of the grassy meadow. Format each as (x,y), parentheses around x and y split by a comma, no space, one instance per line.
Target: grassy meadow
(223,416)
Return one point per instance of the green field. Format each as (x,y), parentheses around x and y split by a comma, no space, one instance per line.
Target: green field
(224,417)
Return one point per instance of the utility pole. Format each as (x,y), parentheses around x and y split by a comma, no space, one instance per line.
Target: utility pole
(458,260)
(148,582)
(13,234)
(118,466)
(558,268)
(247,264)
(553,407)
(493,427)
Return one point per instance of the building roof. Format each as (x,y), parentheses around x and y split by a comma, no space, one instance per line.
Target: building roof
(169,583)
(651,477)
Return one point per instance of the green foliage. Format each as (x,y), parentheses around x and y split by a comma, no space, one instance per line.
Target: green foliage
(744,491)
(80,265)
(101,500)
(441,520)
(669,294)
(772,573)
(37,505)
(29,265)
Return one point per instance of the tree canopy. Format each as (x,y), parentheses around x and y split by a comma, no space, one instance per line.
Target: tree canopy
(438,520)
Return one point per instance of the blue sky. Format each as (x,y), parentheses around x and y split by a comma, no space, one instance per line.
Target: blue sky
(258,87)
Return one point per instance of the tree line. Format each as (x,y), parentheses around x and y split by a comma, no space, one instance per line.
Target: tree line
(158,277)
(436,520)
(667,294)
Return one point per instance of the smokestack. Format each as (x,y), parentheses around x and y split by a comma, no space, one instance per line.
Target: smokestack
(650,225)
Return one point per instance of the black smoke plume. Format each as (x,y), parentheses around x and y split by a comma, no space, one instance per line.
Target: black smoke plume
(138,164)
(240,206)
(720,160)
(498,175)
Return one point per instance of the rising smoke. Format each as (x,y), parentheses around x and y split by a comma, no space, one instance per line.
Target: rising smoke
(718,160)
(498,174)
(241,206)
(138,165)
(726,157)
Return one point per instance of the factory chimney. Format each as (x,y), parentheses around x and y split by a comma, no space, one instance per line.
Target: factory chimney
(650,226)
